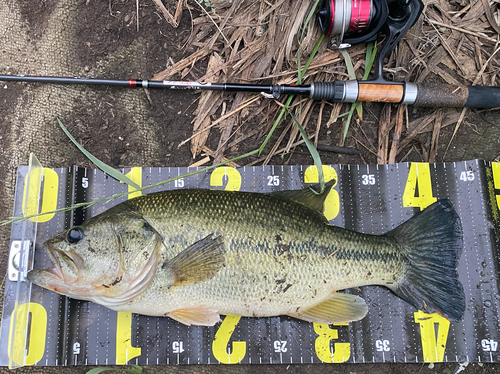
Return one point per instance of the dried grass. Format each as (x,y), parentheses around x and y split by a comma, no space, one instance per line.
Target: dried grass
(255,41)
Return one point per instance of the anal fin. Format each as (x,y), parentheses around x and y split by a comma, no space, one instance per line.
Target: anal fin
(338,308)
(195,316)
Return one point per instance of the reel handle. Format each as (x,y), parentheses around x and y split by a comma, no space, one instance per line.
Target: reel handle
(402,16)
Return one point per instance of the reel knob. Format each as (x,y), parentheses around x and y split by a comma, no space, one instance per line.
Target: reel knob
(398,9)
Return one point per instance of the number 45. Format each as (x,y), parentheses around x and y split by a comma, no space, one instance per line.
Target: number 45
(467,176)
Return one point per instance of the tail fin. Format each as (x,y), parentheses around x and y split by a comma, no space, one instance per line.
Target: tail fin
(432,242)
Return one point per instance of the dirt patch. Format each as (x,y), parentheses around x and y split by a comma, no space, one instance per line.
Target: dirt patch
(36,15)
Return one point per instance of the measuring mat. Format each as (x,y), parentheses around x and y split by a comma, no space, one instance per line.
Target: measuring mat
(40,327)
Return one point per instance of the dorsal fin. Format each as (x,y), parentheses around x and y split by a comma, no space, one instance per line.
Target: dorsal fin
(308,196)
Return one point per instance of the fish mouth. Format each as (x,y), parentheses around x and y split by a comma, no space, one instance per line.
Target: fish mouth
(67,260)
(56,270)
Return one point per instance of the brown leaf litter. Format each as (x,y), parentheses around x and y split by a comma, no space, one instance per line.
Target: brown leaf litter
(257,41)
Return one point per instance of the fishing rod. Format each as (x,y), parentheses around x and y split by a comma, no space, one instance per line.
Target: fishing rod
(347,22)
(419,94)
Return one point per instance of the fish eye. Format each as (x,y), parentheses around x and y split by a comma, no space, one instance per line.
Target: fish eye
(74,235)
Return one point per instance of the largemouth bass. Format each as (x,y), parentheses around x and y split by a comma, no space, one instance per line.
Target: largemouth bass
(194,254)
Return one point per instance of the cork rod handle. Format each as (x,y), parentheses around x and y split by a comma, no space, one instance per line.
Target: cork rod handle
(420,94)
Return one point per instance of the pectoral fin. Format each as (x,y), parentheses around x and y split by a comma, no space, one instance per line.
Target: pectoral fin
(337,309)
(196,316)
(198,262)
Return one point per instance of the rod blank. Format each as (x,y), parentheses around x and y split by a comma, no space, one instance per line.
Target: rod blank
(421,94)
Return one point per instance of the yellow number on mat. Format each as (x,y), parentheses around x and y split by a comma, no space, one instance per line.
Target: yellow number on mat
(341,351)
(36,338)
(124,349)
(233,178)
(135,175)
(432,347)
(419,180)
(495,166)
(49,196)
(220,348)
(332,202)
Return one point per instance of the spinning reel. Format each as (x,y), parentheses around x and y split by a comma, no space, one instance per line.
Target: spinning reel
(356,21)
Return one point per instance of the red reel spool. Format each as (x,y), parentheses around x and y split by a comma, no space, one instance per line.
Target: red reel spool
(361,13)
(353,21)
(338,17)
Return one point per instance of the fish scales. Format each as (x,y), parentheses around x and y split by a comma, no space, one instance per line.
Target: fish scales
(277,251)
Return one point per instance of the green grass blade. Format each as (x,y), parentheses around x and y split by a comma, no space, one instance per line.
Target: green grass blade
(348,63)
(309,16)
(313,151)
(290,98)
(371,52)
(90,203)
(136,370)
(347,122)
(101,165)
(352,75)
(276,122)
(285,109)
(313,53)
